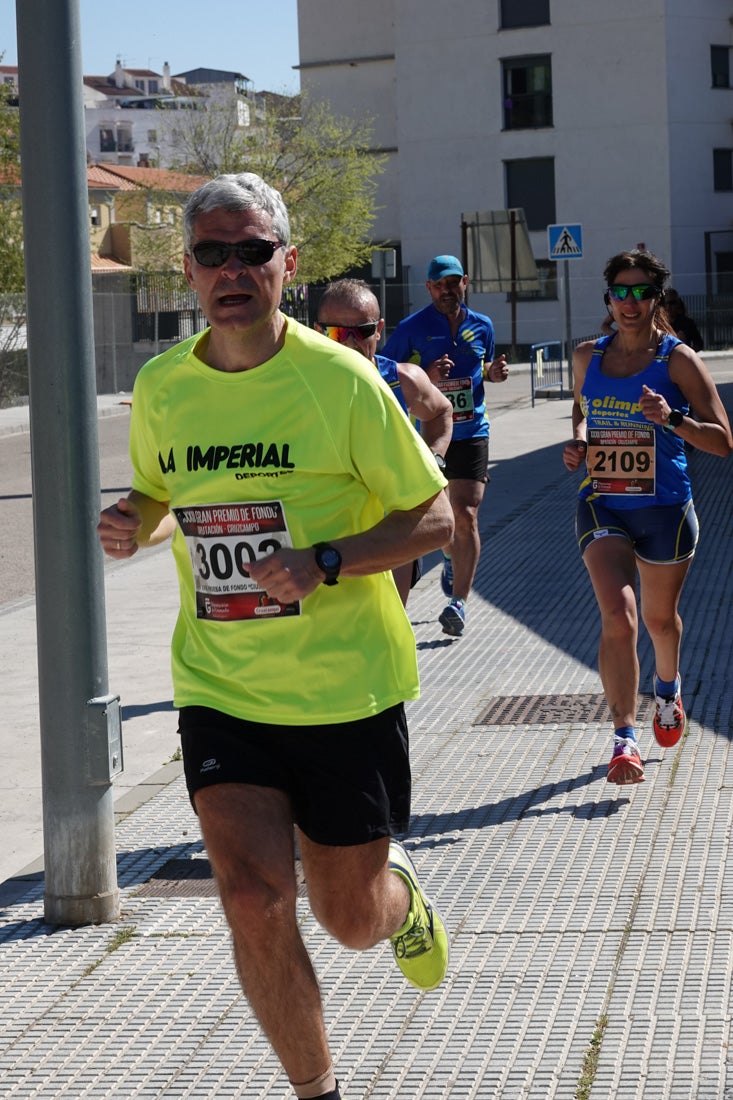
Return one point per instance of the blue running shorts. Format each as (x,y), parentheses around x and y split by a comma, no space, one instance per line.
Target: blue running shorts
(660,533)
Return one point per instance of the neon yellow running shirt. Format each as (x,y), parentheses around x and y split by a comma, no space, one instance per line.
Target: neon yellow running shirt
(310,446)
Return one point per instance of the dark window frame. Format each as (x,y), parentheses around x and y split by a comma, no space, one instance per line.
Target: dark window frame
(720,66)
(722,170)
(548,292)
(107,139)
(523,13)
(537,202)
(524,107)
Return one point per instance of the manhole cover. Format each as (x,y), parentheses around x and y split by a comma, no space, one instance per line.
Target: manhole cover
(550,710)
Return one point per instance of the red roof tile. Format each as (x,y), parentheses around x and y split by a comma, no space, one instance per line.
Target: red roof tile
(107,265)
(98,176)
(161,179)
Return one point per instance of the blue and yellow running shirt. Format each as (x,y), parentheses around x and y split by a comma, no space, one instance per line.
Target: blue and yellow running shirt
(308,447)
(388,370)
(632,462)
(426,335)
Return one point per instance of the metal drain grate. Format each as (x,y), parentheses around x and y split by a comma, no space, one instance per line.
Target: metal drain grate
(550,710)
(192,878)
(181,878)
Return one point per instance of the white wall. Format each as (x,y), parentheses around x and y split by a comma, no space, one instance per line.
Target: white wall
(635,121)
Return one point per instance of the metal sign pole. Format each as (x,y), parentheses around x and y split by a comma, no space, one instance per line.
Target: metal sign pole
(565,242)
(384,266)
(79,721)
(568,324)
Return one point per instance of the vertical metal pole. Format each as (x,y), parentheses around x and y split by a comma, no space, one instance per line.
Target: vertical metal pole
(78,818)
(568,325)
(513,254)
(115,386)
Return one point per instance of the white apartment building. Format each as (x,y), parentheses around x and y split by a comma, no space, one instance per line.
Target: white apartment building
(132,115)
(617,118)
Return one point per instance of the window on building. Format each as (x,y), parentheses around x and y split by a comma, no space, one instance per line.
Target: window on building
(720,66)
(547,275)
(524,13)
(124,140)
(107,142)
(152,87)
(724,272)
(95,215)
(530,184)
(140,85)
(527,87)
(152,136)
(723,169)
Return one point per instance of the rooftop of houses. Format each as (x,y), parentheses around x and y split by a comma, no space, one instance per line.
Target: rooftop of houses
(127,177)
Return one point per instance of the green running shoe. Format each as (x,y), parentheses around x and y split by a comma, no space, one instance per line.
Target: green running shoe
(421,945)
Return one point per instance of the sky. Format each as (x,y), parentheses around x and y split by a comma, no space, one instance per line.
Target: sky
(258,38)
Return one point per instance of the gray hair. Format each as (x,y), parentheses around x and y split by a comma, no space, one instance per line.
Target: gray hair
(352,293)
(243,191)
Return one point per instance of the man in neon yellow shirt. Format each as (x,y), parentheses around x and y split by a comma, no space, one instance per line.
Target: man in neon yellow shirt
(292,484)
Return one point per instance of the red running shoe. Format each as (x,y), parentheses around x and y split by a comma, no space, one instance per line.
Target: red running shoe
(625,766)
(670,720)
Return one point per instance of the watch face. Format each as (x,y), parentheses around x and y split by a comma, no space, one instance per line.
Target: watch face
(328,561)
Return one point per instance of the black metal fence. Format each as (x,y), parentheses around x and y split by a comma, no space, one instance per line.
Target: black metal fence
(165,309)
(137,315)
(713,316)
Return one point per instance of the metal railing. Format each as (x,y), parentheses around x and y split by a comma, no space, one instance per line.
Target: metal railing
(546,370)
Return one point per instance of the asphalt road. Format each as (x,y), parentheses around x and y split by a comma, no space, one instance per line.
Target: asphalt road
(16,500)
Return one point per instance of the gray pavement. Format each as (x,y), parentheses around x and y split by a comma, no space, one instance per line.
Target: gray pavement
(591,926)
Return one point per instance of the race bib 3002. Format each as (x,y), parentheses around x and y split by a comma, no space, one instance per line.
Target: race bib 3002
(223,540)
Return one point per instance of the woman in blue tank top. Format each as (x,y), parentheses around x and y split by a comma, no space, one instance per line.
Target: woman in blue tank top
(634,391)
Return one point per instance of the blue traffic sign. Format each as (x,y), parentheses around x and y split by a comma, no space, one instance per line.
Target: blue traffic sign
(565,242)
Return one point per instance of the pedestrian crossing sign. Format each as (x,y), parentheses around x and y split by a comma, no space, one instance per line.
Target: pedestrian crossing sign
(565,242)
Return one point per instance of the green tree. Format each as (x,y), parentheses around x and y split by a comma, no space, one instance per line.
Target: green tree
(13,356)
(321,163)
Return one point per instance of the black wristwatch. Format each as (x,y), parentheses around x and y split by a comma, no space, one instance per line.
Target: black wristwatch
(675,418)
(440,460)
(328,561)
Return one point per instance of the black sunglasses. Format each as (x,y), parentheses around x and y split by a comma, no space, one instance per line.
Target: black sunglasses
(252,253)
(343,332)
(641,292)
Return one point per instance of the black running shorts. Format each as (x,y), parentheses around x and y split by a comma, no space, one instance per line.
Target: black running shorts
(348,783)
(468,458)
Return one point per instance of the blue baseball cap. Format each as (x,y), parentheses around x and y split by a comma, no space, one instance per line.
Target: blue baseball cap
(442,266)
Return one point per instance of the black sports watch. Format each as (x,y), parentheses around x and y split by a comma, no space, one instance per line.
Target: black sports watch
(675,418)
(440,460)
(328,561)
